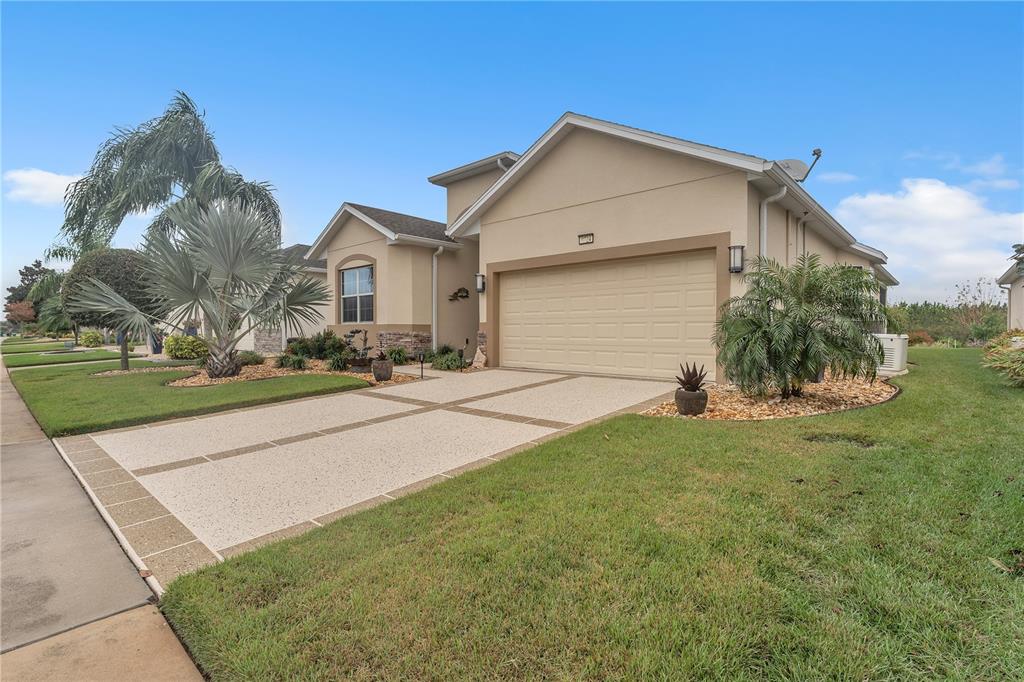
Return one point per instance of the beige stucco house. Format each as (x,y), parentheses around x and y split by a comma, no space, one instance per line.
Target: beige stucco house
(1013,282)
(601,249)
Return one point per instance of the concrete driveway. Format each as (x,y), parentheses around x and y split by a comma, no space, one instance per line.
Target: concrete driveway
(189,492)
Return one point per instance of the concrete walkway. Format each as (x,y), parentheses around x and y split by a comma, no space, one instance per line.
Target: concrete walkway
(190,492)
(62,569)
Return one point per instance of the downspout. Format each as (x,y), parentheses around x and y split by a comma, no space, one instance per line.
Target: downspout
(433,307)
(501,166)
(763,245)
(801,234)
(1008,288)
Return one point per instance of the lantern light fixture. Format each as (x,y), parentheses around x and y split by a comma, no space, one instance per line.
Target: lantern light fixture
(736,258)
(480,282)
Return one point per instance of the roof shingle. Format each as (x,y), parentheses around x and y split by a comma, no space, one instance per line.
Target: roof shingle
(400,223)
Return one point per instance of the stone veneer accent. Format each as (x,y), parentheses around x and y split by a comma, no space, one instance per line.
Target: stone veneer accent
(267,341)
(413,342)
(481,341)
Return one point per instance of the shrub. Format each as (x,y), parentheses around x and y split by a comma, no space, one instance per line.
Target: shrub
(444,349)
(449,361)
(1009,362)
(398,355)
(91,339)
(793,322)
(1003,339)
(250,357)
(919,337)
(324,344)
(336,362)
(292,361)
(185,347)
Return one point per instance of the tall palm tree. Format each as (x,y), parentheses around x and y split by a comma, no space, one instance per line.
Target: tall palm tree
(162,161)
(220,262)
(793,322)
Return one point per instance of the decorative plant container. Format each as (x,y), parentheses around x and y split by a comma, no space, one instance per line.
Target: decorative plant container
(383,369)
(691,398)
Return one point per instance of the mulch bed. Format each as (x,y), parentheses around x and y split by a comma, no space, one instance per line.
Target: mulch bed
(727,402)
(257,372)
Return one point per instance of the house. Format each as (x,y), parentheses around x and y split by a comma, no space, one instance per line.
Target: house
(601,249)
(1013,282)
(273,341)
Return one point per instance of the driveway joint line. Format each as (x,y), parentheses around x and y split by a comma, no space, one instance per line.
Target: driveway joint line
(162,516)
(168,549)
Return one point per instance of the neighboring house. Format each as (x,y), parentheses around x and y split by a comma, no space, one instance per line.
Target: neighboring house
(1013,281)
(601,249)
(272,341)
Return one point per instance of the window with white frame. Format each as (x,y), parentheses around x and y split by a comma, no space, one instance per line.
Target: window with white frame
(356,285)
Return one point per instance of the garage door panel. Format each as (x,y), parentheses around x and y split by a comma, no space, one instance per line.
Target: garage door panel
(639,316)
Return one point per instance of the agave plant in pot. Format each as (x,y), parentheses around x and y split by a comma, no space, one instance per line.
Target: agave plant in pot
(383,366)
(691,398)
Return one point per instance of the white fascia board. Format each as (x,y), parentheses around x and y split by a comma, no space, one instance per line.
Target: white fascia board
(871,252)
(1010,276)
(884,276)
(328,232)
(776,173)
(570,120)
(470,169)
(421,241)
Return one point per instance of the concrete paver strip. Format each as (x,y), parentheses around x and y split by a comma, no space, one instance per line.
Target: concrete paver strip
(133,645)
(234,500)
(460,386)
(576,400)
(142,448)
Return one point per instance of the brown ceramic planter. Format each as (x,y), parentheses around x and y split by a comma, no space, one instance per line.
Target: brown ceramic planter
(691,402)
(382,369)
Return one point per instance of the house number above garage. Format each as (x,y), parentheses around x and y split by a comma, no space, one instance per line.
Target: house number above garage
(586,238)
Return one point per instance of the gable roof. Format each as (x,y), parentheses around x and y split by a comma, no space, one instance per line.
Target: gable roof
(397,227)
(764,171)
(300,250)
(501,161)
(1011,275)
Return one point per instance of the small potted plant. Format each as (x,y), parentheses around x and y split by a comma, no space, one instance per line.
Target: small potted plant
(691,398)
(383,366)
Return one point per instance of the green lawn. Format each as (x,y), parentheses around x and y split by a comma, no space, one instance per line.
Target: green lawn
(31,359)
(847,546)
(11,349)
(68,400)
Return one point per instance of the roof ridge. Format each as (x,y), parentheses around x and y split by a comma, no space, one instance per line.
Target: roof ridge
(388,210)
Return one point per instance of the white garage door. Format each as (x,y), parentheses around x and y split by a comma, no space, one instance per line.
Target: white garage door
(633,317)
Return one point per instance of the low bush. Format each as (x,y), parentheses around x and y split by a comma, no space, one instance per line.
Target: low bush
(91,339)
(449,361)
(250,357)
(398,355)
(919,337)
(320,346)
(336,363)
(185,347)
(289,361)
(1001,356)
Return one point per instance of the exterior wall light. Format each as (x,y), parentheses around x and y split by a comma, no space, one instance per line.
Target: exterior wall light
(735,259)
(480,282)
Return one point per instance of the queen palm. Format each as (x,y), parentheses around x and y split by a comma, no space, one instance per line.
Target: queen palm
(218,262)
(149,168)
(793,322)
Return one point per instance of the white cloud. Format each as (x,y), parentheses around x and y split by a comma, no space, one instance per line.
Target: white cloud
(935,234)
(994,183)
(837,176)
(37,186)
(992,167)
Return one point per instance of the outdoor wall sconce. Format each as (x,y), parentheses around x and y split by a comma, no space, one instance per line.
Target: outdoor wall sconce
(480,282)
(735,259)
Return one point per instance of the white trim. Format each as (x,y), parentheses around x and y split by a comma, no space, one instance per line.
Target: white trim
(401,238)
(1010,276)
(571,121)
(468,170)
(869,251)
(886,276)
(328,232)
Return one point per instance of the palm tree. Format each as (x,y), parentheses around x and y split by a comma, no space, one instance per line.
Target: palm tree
(796,321)
(151,167)
(219,262)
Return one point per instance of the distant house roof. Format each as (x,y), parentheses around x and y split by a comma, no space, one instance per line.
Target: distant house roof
(301,250)
(501,161)
(396,227)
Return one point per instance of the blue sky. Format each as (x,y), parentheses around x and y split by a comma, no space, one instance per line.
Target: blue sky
(918,107)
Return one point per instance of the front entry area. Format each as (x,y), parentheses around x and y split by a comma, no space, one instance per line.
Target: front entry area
(630,317)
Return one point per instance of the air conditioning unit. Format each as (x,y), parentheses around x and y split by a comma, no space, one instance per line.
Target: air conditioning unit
(895,348)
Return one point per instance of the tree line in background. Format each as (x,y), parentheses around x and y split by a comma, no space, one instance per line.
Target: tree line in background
(976,314)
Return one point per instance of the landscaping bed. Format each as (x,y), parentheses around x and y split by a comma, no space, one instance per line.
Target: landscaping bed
(728,402)
(60,358)
(857,545)
(268,370)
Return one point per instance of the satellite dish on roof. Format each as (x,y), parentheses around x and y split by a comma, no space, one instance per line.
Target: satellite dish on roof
(796,168)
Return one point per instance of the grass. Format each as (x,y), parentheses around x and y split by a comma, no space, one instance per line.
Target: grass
(32,359)
(847,546)
(69,400)
(11,349)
